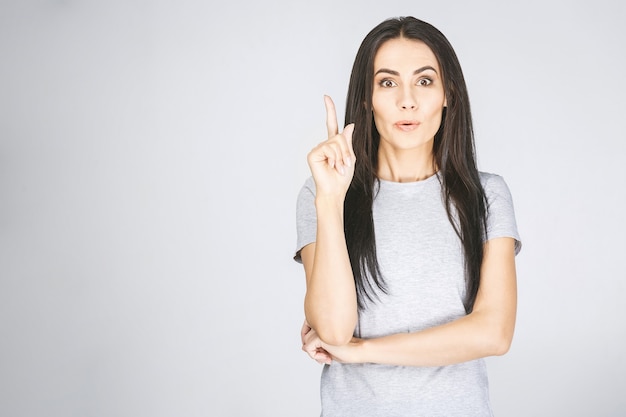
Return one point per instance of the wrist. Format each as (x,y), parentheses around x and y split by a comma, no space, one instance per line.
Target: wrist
(329,202)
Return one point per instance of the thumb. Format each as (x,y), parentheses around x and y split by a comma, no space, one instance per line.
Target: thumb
(347,133)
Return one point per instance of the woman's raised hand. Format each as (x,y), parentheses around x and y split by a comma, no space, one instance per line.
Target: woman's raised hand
(332,161)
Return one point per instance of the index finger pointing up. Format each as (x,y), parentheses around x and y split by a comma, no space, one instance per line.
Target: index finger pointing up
(331,117)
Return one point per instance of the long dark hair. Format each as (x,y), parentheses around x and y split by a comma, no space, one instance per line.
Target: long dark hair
(453,154)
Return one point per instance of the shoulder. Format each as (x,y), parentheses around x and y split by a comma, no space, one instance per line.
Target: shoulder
(307,192)
(489,180)
(494,186)
(500,212)
(309,184)
(306,219)
(308,187)
(305,204)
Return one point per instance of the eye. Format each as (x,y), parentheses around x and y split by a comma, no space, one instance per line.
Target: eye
(387,83)
(424,82)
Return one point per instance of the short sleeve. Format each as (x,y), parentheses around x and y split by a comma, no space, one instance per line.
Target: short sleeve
(306,217)
(501,215)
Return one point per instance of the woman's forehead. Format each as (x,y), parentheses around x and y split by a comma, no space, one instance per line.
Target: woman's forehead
(404,53)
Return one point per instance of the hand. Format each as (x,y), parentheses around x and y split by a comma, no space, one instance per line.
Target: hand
(345,353)
(332,161)
(325,353)
(312,345)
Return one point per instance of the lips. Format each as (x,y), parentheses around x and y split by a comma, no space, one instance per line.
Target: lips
(407,125)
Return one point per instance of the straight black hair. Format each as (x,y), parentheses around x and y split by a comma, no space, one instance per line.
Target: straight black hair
(453,153)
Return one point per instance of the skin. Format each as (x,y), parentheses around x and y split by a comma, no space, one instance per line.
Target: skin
(408,88)
(330,302)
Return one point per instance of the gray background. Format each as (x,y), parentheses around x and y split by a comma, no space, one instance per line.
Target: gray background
(150,157)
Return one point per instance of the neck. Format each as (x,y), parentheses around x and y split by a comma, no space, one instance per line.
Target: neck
(399,165)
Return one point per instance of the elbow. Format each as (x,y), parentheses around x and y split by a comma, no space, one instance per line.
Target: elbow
(495,333)
(501,347)
(500,342)
(335,334)
(334,329)
(338,339)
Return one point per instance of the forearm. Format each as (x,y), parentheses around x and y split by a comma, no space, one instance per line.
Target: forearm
(330,301)
(487,331)
(470,337)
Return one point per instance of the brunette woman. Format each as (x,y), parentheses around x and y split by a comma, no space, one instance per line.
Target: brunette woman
(408,250)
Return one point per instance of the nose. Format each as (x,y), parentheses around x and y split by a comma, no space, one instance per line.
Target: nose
(407,100)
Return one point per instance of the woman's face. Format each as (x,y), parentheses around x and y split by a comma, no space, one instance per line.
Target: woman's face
(408,96)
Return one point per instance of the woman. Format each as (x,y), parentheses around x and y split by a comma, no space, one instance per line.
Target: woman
(408,250)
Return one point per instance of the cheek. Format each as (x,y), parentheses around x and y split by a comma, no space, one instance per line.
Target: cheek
(376,112)
(435,110)
(378,107)
(378,124)
(379,120)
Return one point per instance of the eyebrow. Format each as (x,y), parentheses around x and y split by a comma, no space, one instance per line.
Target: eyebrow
(417,71)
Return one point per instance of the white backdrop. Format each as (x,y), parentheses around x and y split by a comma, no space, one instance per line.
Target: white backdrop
(150,157)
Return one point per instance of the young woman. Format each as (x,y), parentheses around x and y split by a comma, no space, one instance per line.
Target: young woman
(408,250)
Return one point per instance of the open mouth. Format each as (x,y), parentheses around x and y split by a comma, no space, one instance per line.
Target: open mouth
(407,125)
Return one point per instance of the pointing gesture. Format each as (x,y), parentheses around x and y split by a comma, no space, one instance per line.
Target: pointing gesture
(332,161)
(331,117)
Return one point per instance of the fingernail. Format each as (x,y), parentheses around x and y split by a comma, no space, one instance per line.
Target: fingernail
(348,162)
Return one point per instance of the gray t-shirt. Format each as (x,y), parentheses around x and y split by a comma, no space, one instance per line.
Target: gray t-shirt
(421,260)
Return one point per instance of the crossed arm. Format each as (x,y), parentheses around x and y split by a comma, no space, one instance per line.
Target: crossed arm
(486,331)
(330,302)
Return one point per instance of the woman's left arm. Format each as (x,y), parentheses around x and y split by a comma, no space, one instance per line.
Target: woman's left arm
(486,331)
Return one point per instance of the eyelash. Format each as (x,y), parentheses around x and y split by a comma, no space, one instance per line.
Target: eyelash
(384,81)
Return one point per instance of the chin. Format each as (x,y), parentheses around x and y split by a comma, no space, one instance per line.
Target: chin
(409,145)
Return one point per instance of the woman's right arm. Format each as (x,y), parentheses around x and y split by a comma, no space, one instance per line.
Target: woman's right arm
(330,303)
